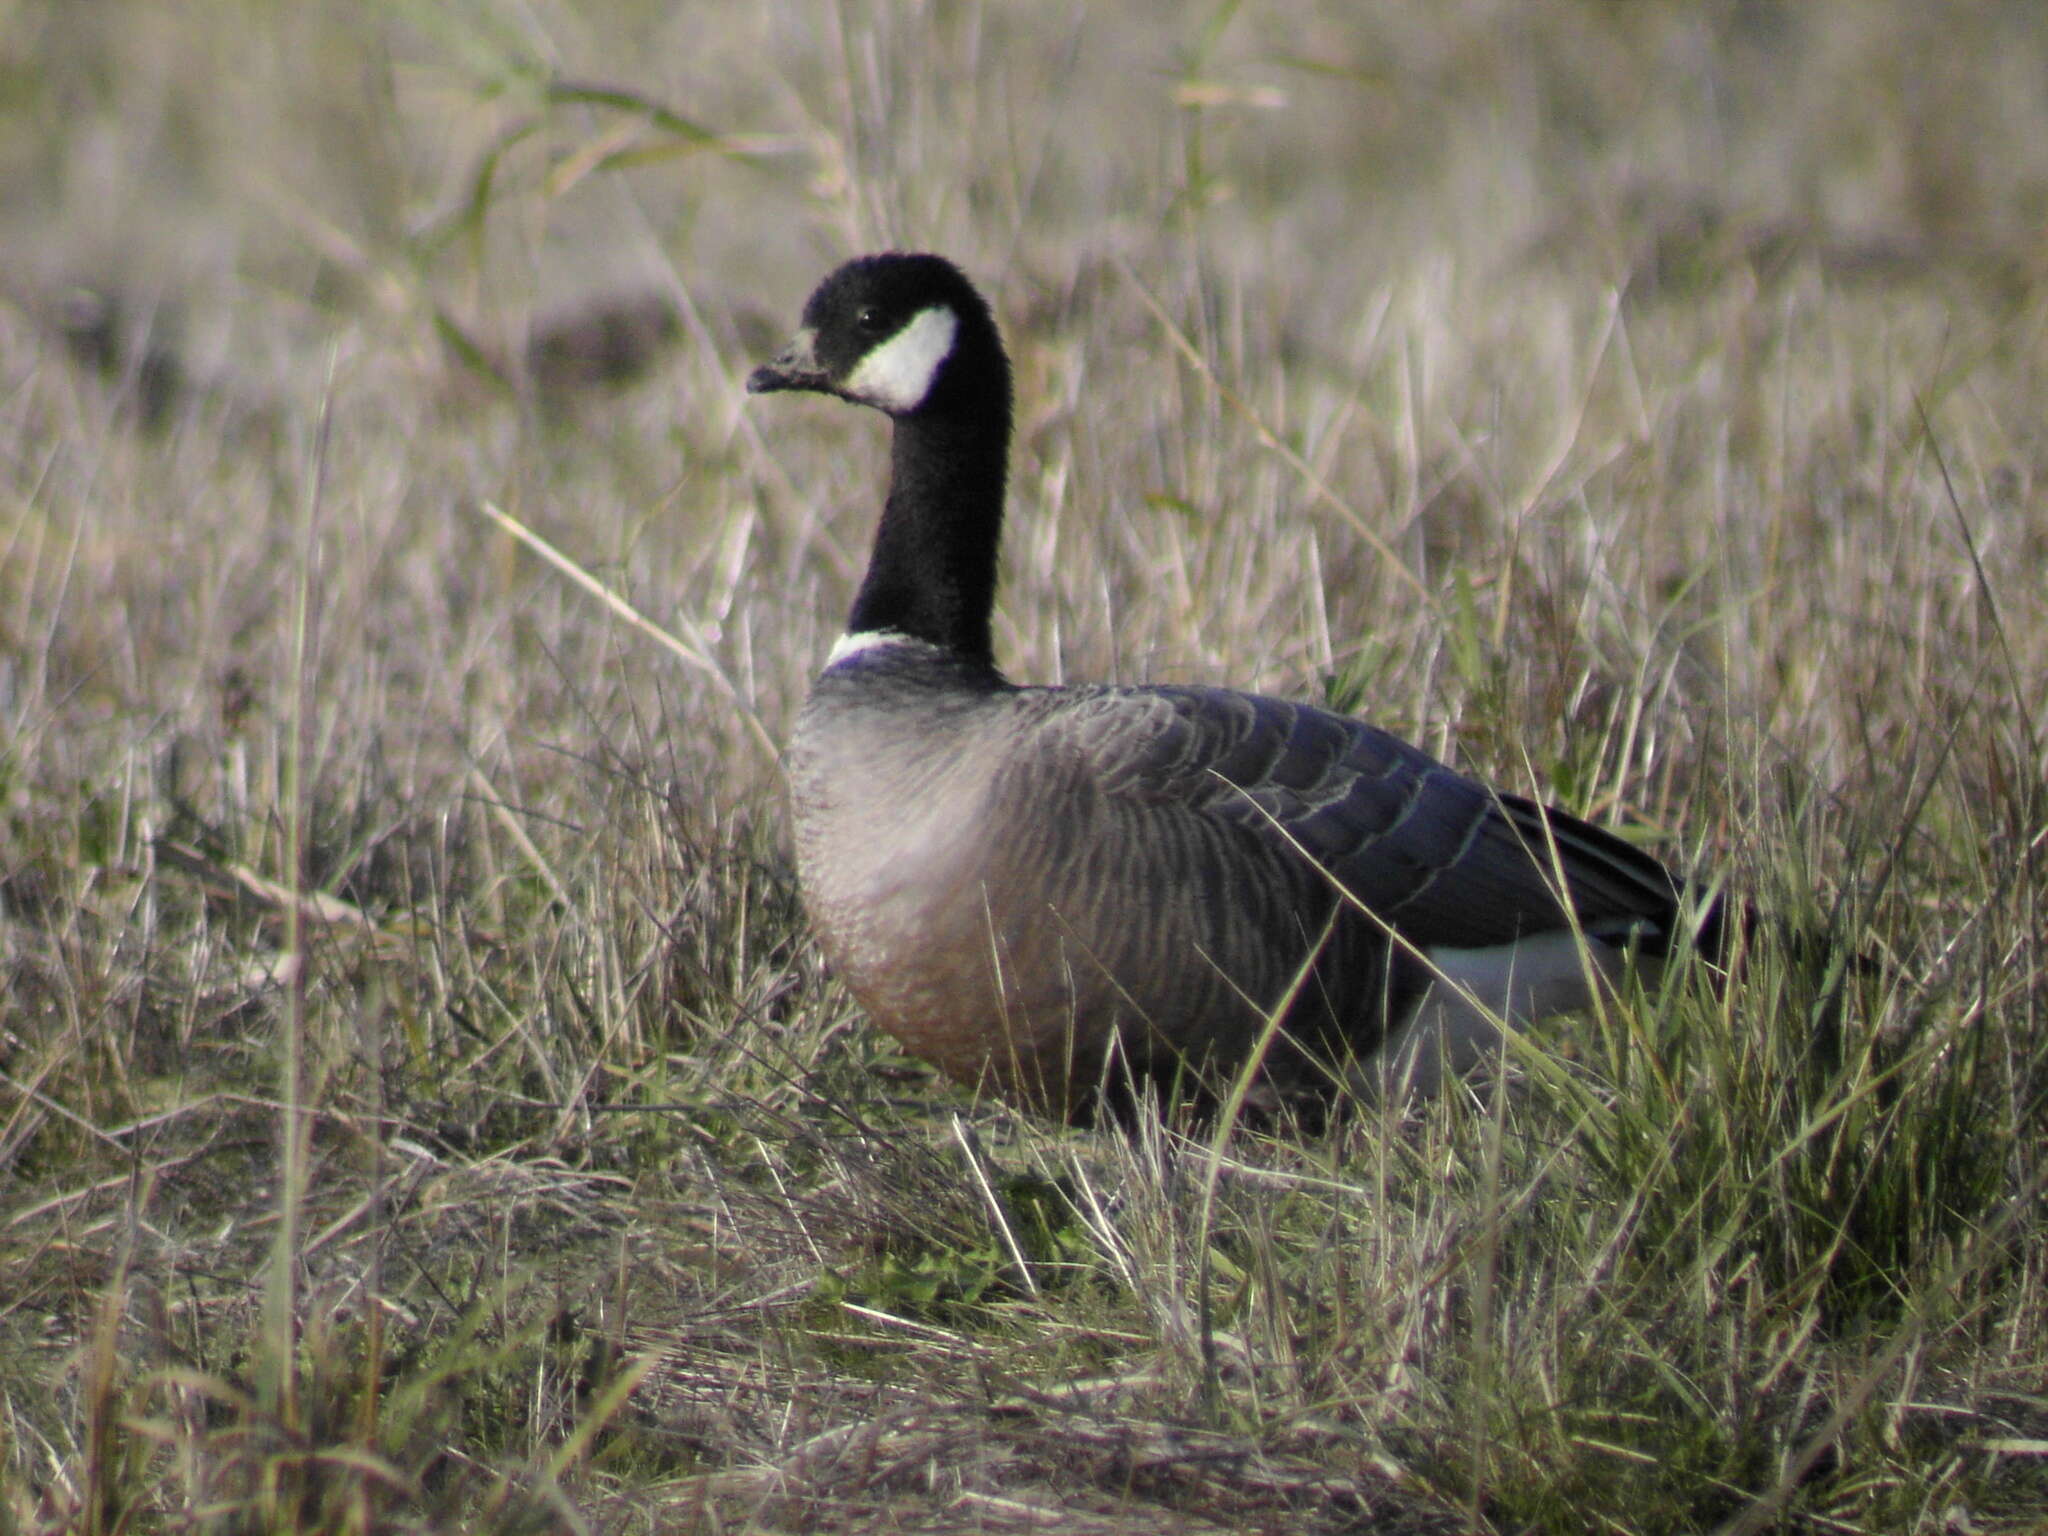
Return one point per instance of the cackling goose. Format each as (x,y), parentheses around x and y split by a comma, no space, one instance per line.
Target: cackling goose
(1050,892)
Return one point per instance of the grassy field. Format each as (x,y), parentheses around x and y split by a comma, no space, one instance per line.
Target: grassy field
(421,1106)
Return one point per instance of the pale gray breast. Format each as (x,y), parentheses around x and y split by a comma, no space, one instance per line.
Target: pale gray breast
(889,784)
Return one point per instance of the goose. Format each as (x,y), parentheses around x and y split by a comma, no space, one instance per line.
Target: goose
(1070,895)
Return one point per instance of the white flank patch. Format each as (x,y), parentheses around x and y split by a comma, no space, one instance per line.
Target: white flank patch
(865,640)
(1457,1025)
(898,374)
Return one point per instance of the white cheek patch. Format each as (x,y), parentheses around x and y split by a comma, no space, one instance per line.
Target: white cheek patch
(898,374)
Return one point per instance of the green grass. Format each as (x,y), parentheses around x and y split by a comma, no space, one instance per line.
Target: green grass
(421,1106)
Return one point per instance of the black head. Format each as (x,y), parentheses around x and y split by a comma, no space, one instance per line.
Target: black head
(906,334)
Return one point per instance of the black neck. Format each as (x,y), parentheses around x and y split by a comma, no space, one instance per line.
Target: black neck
(933,572)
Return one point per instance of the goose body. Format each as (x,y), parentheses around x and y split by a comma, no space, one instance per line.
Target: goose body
(1050,892)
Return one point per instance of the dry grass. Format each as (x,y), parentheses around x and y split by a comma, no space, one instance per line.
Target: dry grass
(420,1106)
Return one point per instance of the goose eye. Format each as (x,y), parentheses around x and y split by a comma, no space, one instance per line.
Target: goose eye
(869,320)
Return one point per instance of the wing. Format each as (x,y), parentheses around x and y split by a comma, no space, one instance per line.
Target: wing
(1441,858)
